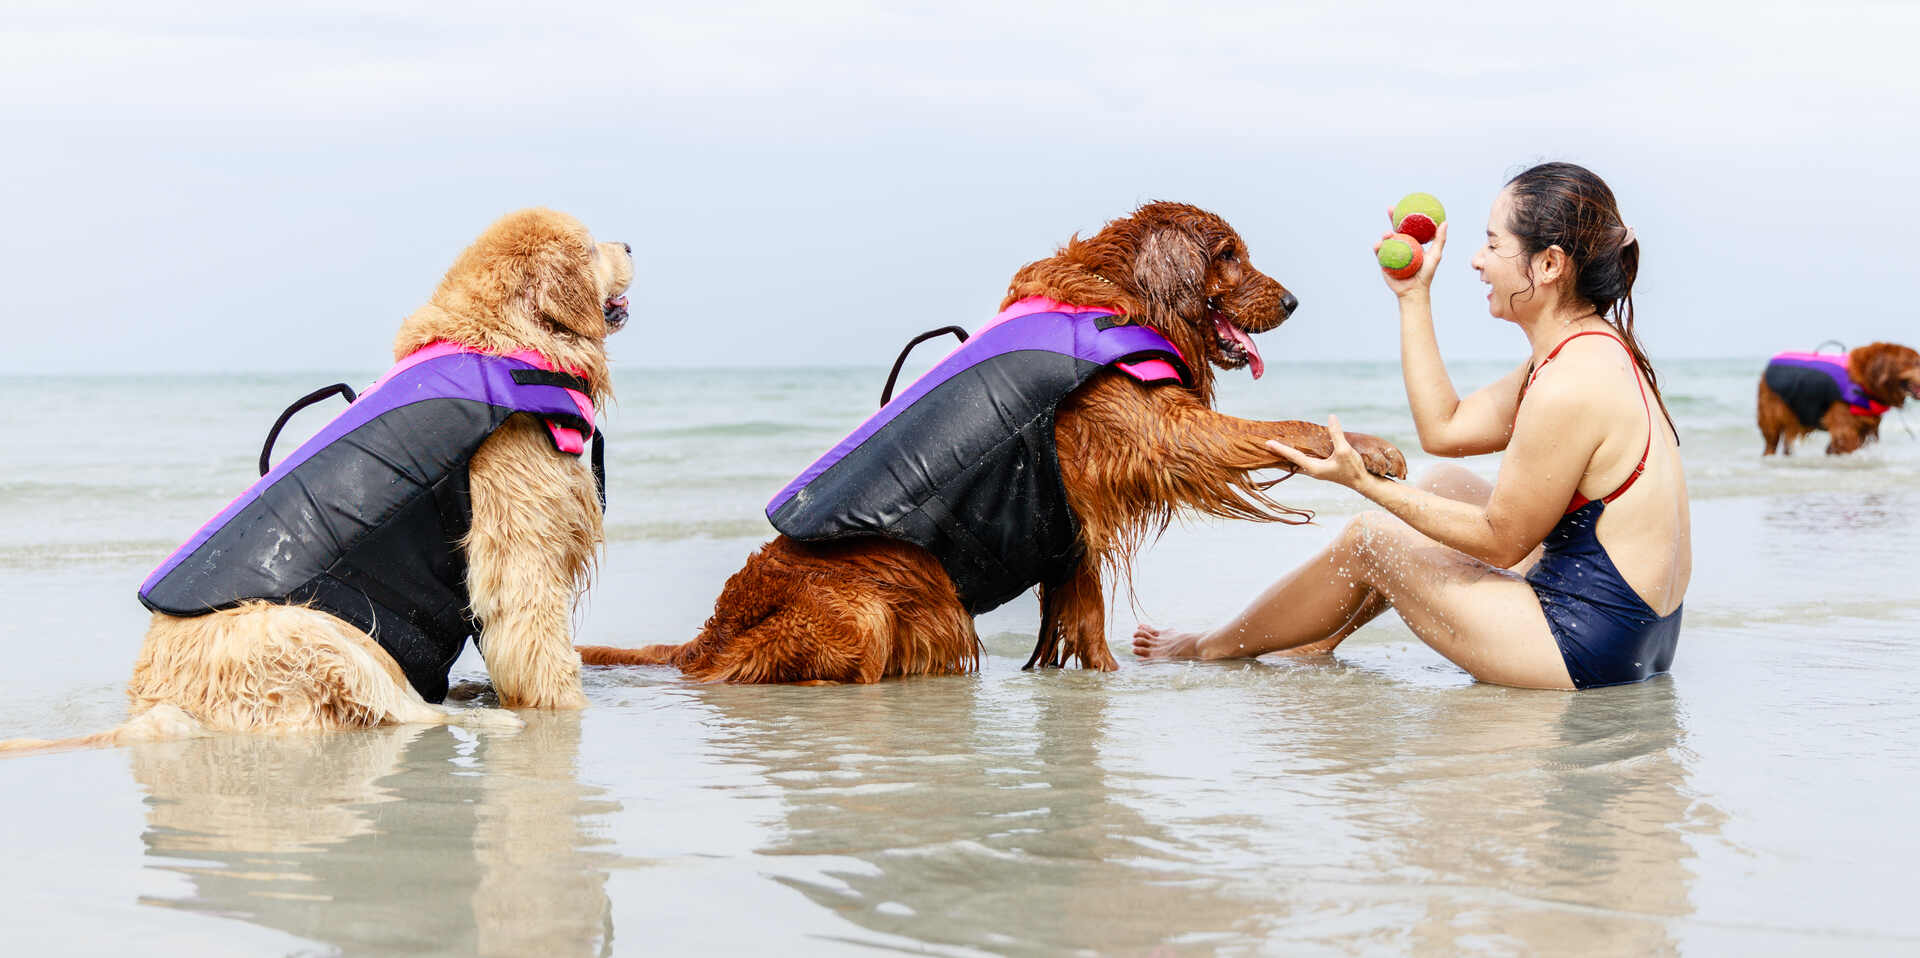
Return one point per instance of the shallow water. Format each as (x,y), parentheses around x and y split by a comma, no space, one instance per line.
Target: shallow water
(1377,801)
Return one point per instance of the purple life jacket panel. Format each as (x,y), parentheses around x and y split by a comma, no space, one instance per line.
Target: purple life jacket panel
(1812,382)
(963,462)
(365,520)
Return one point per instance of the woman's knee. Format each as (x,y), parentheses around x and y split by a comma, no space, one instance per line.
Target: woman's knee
(1366,533)
(1455,482)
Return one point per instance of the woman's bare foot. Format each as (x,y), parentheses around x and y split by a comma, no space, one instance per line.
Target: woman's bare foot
(1155,643)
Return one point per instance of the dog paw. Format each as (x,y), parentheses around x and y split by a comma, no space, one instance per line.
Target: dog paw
(1380,456)
(1096,656)
(486,720)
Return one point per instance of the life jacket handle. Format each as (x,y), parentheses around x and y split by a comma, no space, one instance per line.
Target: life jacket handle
(886,395)
(1831,342)
(266,451)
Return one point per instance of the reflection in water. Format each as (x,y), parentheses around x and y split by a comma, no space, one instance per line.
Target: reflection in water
(1444,818)
(1245,807)
(969,812)
(1566,818)
(1249,808)
(403,839)
(1810,515)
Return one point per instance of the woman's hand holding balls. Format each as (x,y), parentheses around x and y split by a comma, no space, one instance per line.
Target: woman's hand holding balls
(1418,215)
(1404,265)
(1418,218)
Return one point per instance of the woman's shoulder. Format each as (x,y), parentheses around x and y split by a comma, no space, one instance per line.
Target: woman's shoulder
(1556,396)
(1588,362)
(1587,375)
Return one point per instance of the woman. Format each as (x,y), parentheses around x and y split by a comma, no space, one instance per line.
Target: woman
(1568,572)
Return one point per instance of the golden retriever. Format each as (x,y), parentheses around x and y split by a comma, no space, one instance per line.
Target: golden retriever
(535,284)
(1118,460)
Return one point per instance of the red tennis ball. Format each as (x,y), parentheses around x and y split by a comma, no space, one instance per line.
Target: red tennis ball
(1400,256)
(1418,226)
(1419,215)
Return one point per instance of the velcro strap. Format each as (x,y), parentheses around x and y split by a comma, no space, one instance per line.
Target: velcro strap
(548,377)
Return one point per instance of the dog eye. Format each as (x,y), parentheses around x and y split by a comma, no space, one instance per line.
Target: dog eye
(1231,253)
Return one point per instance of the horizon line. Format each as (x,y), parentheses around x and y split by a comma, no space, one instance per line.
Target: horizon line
(96,372)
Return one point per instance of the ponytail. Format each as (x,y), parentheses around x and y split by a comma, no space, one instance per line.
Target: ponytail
(1566,205)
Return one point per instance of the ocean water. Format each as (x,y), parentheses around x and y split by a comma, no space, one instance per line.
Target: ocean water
(1379,801)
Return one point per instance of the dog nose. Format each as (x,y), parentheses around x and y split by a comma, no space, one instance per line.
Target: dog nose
(1289,303)
(629,248)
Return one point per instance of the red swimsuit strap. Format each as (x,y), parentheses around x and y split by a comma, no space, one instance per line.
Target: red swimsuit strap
(1579,500)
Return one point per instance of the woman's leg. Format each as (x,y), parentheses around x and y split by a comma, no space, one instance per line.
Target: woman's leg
(1444,479)
(1485,620)
(1309,609)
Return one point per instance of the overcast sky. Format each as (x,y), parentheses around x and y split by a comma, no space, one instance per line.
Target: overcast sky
(247,186)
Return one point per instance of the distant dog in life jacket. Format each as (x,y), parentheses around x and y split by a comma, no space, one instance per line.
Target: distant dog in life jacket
(1842,393)
(1043,451)
(453,498)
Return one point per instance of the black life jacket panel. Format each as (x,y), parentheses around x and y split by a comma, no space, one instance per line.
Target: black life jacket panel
(1811,383)
(366,520)
(963,463)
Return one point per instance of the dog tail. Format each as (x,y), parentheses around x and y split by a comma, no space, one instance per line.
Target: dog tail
(158,724)
(24,746)
(646,655)
(166,723)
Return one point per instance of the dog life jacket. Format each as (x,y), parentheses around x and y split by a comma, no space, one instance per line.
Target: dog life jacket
(963,463)
(1812,382)
(366,520)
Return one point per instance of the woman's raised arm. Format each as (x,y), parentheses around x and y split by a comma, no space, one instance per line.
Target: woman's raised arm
(1448,425)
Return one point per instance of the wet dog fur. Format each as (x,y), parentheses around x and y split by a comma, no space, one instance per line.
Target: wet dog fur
(535,279)
(1131,456)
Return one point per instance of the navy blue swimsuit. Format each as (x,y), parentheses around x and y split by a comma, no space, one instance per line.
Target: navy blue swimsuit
(1607,634)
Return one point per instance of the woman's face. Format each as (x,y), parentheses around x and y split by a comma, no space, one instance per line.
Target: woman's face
(1502,265)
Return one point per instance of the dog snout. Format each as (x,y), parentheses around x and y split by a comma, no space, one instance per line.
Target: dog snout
(1288,303)
(628,247)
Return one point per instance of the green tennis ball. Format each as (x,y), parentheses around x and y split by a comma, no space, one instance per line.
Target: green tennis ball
(1419,215)
(1400,256)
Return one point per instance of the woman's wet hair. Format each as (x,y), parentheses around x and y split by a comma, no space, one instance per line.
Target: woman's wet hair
(1566,205)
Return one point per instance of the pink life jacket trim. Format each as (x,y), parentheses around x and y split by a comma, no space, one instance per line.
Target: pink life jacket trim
(565,438)
(1840,367)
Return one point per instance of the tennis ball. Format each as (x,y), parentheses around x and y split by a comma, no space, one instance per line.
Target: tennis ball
(1400,256)
(1418,215)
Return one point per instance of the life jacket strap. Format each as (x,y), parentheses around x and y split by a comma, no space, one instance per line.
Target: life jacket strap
(886,393)
(598,458)
(266,451)
(548,377)
(597,455)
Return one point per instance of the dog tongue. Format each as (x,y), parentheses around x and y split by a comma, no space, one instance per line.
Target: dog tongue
(1238,335)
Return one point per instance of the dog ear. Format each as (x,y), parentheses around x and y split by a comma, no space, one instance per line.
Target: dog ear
(1877,366)
(1171,270)
(565,288)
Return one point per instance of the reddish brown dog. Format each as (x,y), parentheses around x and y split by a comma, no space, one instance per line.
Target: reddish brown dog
(1887,373)
(1130,455)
